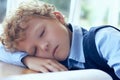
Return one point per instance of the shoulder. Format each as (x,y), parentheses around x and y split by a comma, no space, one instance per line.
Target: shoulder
(105,40)
(1,45)
(107,33)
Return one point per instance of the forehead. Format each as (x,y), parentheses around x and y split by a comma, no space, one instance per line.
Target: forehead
(28,23)
(34,21)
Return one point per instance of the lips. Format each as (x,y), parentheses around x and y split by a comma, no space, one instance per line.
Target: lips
(54,50)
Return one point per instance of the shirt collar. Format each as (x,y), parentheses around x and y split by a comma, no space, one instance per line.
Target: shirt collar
(76,51)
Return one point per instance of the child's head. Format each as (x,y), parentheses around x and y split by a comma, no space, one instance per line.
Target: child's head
(39,30)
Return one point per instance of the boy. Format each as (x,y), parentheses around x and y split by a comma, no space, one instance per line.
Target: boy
(38,29)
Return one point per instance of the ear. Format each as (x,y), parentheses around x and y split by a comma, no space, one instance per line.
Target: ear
(59,17)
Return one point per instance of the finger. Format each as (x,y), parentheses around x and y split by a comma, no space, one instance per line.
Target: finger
(42,69)
(55,66)
(62,67)
(59,66)
(52,68)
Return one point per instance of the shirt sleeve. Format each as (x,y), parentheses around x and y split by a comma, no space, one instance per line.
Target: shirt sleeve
(108,45)
(11,57)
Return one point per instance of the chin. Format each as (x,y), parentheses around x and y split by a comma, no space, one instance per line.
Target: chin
(60,59)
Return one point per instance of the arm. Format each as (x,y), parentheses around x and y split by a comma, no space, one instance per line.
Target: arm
(34,63)
(42,64)
(12,58)
(108,45)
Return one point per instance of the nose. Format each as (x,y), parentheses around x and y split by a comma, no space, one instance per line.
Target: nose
(44,46)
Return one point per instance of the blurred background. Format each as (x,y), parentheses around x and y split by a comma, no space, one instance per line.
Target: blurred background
(86,13)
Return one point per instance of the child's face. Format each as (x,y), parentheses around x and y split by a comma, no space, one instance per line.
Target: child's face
(46,38)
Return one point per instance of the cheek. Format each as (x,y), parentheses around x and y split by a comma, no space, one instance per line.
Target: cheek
(25,45)
(22,46)
(56,34)
(51,34)
(54,37)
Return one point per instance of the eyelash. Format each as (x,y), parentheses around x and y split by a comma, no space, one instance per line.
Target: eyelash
(35,51)
(42,33)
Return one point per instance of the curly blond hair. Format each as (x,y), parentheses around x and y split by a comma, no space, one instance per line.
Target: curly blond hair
(13,31)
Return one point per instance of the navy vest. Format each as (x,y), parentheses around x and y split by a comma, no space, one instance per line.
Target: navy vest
(92,58)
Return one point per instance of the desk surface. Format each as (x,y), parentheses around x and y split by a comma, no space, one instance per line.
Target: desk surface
(12,72)
(8,70)
(90,74)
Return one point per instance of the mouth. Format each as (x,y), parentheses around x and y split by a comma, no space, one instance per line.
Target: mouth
(54,51)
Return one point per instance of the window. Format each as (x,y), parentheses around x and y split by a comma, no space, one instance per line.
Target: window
(2,12)
(2,9)
(89,13)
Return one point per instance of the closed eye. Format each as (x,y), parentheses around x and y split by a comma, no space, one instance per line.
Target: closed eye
(42,33)
(35,51)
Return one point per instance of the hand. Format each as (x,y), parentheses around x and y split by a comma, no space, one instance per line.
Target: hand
(43,65)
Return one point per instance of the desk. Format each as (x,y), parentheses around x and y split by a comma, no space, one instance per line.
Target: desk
(12,72)
(90,74)
(9,69)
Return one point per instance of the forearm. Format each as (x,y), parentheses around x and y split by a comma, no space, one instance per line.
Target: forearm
(12,58)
